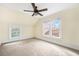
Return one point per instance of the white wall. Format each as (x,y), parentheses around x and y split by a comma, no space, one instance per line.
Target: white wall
(70,28)
(8,17)
(69,18)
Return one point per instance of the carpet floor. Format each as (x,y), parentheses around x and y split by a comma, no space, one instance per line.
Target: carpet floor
(34,47)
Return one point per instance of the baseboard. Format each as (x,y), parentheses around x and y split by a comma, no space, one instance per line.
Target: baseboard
(16,41)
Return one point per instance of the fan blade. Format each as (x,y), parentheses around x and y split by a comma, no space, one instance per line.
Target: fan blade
(40,14)
(28,11)
(33,5)
(42,10)
(33,14)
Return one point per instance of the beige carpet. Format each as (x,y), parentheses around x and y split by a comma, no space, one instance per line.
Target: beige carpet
(34,47)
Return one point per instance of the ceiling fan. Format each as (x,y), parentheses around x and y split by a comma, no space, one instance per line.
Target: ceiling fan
(35,10)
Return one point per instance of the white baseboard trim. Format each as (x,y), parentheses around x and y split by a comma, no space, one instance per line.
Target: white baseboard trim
(16,41)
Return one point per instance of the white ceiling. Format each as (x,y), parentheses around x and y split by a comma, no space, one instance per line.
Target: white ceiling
(52,7)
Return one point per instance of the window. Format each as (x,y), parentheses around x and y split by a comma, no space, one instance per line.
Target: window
(14,31)
(46,29)
(56,28)
(52,28)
